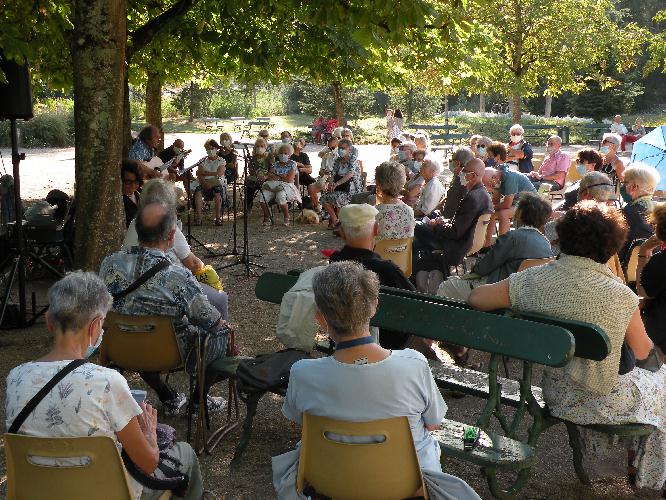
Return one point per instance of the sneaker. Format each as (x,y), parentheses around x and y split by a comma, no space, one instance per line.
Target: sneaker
(175,405)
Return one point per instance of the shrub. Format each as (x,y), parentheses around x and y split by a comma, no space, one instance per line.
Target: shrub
(45,130)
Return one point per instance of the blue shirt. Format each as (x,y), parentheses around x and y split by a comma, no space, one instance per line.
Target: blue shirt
(140,151)
(281,169)
(514,183)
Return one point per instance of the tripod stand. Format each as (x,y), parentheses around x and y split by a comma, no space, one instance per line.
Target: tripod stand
(19,255)
(244,257)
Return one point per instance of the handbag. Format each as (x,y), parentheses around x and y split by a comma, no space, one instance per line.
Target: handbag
(174,481)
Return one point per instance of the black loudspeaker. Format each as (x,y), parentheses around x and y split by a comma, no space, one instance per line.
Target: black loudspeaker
(16,94)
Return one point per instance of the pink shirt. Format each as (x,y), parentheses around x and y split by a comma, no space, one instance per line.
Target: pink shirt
(556,162)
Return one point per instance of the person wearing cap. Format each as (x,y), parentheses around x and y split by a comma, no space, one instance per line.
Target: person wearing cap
(612,165)
(457,189)
(454,236)
(432,190)
(359,229)
(553,170)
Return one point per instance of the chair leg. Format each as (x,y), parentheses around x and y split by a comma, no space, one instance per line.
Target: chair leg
(252,402)
(575,443)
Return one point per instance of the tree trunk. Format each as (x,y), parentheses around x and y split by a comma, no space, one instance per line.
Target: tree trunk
(154,104)
(98,56)
(127,115)
(339,104)
(482,103)
(516,105)
(549,106)
(192,90)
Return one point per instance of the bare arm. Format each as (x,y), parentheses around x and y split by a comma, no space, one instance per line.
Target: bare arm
(490,297)
(506,202)
(637,338)
(644,256)
(192,262)
(139,440)
(619,169)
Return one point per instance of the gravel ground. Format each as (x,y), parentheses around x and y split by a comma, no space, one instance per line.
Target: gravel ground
(280,249)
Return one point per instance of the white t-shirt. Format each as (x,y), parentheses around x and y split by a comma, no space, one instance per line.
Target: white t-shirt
(431,194)
(90,401)
(176,253)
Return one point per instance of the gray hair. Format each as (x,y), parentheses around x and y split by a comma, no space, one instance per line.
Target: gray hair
(158,191)
(517,127)
(484,141)
(356,232)
(345,142)
(556,138)
(598,185)
(158,232)
(463,155)
(645,176)
(77,299)
(612,138)
(346,129)
(390,178)
(345,293)
(285,147)
(434,164)
(408,145)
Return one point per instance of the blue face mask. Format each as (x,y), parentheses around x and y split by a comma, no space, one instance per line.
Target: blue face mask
(625,196)
(604,150)
(582,169)
(91,349)
(284,158)
(402,155)
(481,150)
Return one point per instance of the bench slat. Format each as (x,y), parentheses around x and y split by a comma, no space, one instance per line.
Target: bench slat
(526,340)
(492,449)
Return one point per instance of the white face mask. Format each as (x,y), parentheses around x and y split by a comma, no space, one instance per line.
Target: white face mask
(284,158)
(342,152)
(90,350)
(260,150)
(212,153)
(516,138)
(177,150)
(286,140)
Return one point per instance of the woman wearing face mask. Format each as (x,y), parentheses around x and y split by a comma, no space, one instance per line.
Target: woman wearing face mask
(257,170)
(211,182)
(285,137)
(91,400)
(228,152)
(345,182)
(587,160)
(280,184)
(457,189)
(612,165)
(328,156)
(520,151)
(415,181)
(640,182)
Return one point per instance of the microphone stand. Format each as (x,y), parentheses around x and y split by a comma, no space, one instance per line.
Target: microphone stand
(244,258)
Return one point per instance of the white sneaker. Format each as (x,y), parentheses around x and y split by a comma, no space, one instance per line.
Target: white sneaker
(216,404)
(174,406)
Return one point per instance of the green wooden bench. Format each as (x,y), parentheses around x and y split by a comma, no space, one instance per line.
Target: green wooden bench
(502,334)
(254,126)
(445,127)
(593,132)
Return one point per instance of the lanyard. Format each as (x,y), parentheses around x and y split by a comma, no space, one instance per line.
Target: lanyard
(353,343)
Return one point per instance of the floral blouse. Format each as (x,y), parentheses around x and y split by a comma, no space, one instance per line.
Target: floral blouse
(396,221)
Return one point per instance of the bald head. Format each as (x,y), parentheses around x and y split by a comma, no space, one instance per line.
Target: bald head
(155,225)
(473,172)
(491,177)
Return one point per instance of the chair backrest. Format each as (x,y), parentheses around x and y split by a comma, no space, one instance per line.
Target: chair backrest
(129,339)
(28,476)
(533,263)
(398,251)
(632,264)
(616,266)
(378,470)
(479,233)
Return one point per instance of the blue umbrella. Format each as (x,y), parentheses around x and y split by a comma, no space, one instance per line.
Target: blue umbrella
(651,149)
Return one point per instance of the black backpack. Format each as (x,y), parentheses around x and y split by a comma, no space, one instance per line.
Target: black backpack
(267,372)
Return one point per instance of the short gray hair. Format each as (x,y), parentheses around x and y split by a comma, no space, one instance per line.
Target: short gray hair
(598,185)
(390,177)
(434,164)
(158,191)
(347,129)
(517,127)
(356,232)
(159,232)
(612,138)
(345,142)
(408,145)
(345,293)
(645,176)
(77,299)
(285,147)
(463,155)
(556,138)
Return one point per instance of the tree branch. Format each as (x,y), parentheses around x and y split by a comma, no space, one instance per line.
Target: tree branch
(141,36)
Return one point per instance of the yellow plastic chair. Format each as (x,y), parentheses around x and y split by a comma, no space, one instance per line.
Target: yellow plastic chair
(632,266)
(343,471)
(534,263)
(398,251)
(102,478)
(479,234)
